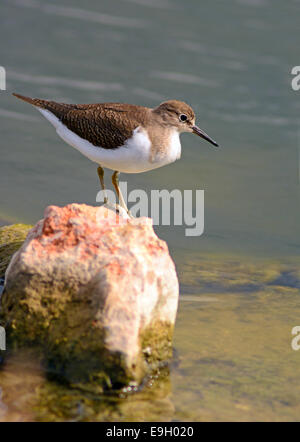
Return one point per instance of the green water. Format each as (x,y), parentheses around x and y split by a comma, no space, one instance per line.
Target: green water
(239,281)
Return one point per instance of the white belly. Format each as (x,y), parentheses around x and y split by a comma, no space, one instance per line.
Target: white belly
(133,157)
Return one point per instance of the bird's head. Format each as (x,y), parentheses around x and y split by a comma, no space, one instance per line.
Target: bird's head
(180,116)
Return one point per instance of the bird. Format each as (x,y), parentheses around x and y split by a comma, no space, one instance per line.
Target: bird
(122,137)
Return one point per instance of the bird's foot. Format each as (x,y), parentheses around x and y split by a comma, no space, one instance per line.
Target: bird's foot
(125,213)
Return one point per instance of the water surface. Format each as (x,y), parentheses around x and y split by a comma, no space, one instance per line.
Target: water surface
(239,289)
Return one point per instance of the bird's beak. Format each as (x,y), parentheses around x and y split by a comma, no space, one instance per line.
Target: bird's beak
(202,134)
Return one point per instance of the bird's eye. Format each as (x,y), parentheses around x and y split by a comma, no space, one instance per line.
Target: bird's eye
(182,117)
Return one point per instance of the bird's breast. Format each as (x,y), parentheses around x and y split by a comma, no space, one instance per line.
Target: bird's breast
(165,147)
(151,149)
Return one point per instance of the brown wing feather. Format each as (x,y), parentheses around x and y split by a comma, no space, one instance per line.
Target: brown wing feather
(106,125)
(101,126)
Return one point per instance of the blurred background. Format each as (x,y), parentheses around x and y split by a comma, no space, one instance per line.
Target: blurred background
(231,61)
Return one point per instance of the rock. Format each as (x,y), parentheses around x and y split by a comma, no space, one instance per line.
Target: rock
(11,239)
(97,293)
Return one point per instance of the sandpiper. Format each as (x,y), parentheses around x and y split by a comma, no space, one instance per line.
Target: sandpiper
(122,137)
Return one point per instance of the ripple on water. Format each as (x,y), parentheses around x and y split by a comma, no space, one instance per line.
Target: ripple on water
(184,78)
(17,116)
(82,14)
(64,81)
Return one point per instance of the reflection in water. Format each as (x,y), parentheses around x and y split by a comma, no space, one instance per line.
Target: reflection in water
(235,355)
(27,395)
(233,358)
(20,379)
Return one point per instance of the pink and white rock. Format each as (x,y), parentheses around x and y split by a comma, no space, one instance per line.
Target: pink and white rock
(97,292)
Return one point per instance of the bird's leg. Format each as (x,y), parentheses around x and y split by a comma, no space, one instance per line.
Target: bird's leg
(115,181)
(101,178)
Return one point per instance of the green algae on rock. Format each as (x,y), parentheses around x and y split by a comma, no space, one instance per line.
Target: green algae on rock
(156,342)
(11,239)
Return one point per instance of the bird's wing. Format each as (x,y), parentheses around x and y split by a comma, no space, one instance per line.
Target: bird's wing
(106,125)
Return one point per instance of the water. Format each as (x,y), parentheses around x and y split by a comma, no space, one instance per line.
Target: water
(231,61)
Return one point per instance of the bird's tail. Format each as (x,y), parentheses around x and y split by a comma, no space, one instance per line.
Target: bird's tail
(34,101)
(58,109)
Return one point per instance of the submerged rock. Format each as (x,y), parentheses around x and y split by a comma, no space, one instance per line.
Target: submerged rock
(96,292)
(11,239)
